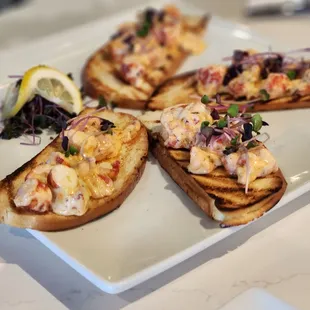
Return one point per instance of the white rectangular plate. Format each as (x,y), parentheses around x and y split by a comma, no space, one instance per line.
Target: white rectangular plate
(158,226)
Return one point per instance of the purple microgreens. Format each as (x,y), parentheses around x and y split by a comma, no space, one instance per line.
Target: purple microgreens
(207,132)
(253,57)
(34,116)
(76,121)
(229,150)
(228,121)
(234,140)
(65,143)
(215,114)
(218,131)
(247,135)
(33,142)
(301,50)
(230,132)
(15,76)
(239,55)
(257,138)
(218,99)
(248,171)
(106,125)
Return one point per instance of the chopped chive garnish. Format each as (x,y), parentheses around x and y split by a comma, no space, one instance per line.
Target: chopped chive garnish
(264,94)
(204,99)
(233,110)
(291,74)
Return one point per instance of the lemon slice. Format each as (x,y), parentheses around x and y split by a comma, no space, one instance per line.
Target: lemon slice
(47,82)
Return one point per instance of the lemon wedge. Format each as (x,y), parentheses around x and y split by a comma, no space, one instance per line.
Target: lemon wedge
(47,82)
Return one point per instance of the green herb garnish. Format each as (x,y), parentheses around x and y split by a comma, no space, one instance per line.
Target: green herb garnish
(251,144)
(67,153)
(291,74)
(234,141)
(102,102)
(73,150)
(264,94)
(204,99)
(144,29)
(204,124)
(233,110)
(257,122)
(222,123)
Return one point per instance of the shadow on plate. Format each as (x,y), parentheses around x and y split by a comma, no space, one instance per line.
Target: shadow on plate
(205,221)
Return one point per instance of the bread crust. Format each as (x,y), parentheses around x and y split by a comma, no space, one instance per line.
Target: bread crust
(136,152)
(211,198)
(180,88)
(100,79)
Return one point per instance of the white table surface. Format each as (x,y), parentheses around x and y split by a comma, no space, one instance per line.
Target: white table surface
(213,281)
(19,291)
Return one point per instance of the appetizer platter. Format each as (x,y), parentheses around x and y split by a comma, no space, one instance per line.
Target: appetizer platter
(72,153)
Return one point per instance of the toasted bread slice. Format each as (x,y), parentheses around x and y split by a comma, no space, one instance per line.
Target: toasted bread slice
(218,194)
(182,88)
(99,76)
(133,158)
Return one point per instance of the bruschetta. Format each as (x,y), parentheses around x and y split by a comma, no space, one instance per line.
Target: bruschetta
(143,54)
(220,162)
(256,81)
(86,172)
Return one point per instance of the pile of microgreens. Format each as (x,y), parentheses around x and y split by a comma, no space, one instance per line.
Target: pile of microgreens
(238,127)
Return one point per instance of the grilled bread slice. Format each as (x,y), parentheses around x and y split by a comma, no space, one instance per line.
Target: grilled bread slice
(181,88)
(99,77)
(132,156)
(218,194)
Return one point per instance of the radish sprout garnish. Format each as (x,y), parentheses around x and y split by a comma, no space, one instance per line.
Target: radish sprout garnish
(240,130)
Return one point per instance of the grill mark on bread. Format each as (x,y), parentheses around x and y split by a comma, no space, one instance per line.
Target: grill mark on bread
(177,89)
(219,209)
(98,77)
(224,189)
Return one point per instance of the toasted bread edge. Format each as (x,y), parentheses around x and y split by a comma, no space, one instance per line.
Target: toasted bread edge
(207,203)
(94,88)
(53,222)
(156,103)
